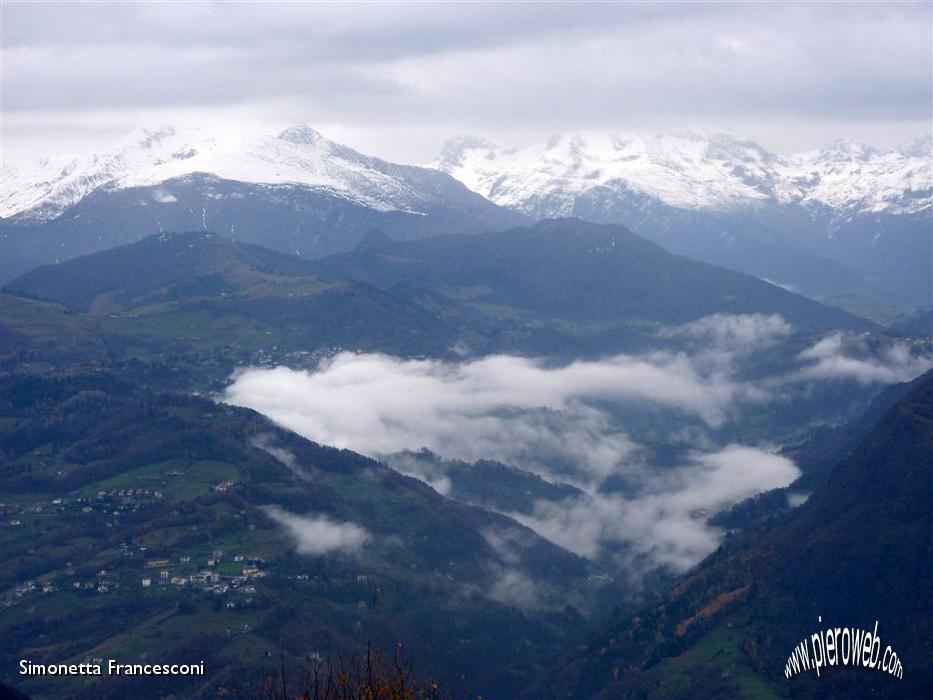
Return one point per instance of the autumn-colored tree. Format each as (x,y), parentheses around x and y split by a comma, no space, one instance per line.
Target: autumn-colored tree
(372,676)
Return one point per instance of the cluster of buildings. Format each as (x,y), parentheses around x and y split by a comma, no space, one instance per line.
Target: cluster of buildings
(102,583)
(208,579)
(105,502)
(13,509)
(296,359)
(27,587)
(128,493)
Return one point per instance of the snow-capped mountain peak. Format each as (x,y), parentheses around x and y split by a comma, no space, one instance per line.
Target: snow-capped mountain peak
(691,170)
(920,147)
(298,156)
(852,177)
(684,169)
(300,134)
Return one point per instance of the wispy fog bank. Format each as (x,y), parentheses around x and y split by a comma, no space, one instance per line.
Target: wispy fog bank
(839,356)
(568,423)
(663,524)
(319,534)
(512,409)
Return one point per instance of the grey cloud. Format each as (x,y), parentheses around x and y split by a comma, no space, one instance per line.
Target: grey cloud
(450,67)
(324,31)
(664,524)
(424,470)
(512,587)
(151,77)
(279,453)
(742,332)
(841,356)
(509,585)
(553,420)
(513,409)
(318,535)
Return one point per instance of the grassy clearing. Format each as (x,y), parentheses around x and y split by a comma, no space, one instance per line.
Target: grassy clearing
(720,651)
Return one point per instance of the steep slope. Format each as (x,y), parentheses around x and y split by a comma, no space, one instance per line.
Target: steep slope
(102,478)
(858,552)
(295,191)
(581,272)
(844,219)
(915,324)
(828,446)
(485,483)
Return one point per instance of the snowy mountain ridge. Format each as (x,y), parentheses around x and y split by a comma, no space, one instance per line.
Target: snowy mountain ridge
(686,169)
(296,156)
(693,171)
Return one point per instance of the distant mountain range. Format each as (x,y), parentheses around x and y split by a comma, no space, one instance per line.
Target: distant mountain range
(294,191)
(690,170)
(537,286)
(845,219)
(577,271)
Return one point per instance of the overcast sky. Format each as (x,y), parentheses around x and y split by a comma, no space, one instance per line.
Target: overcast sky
(396,79)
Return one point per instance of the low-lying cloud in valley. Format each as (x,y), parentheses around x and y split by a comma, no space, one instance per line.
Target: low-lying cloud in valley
(838,356)
(508,408)
(663,523)
(568,423)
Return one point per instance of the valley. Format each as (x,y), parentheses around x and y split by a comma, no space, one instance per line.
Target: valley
(147,511)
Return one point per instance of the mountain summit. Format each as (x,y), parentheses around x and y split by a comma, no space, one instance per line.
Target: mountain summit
(298,155)
(844,220)
(293,190)
(690,170)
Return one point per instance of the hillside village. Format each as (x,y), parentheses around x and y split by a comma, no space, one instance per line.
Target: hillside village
(213,574)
